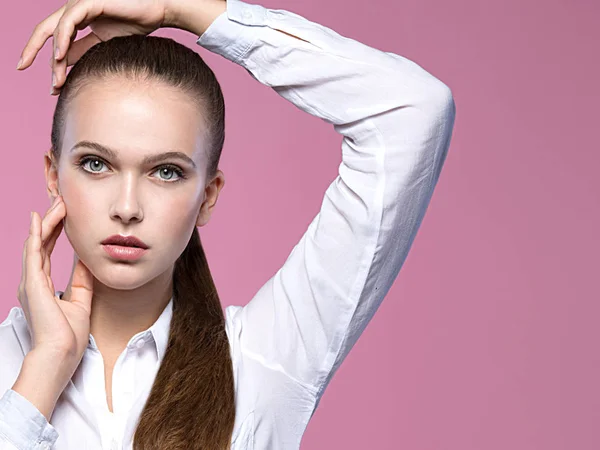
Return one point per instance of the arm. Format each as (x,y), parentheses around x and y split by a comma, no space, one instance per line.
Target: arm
(396,121)
(26,408)
(22,426)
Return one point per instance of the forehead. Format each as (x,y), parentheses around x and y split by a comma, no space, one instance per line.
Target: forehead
(136,117)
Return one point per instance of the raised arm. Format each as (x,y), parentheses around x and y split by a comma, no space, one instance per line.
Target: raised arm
(396,120)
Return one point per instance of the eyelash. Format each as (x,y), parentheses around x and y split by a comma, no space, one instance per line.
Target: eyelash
(175,169)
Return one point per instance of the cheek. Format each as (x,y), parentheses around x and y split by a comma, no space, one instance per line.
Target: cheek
(178,219)
(80,211)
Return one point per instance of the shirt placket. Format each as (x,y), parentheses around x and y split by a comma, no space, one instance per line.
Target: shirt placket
(123,389)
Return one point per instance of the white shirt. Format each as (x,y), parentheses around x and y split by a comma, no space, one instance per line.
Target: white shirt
(396,120)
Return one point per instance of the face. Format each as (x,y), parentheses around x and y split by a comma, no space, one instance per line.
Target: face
(132,190)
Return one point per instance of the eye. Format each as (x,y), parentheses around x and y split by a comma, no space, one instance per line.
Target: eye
(84,160)
(166,169)
(170,169)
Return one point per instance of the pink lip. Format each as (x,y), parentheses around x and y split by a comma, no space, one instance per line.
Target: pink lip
(124,253)
(128,241)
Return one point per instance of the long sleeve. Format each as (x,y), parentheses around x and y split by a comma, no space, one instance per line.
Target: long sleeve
(396,121)
(22,425)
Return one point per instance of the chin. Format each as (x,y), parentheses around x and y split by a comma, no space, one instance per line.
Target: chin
(116,274)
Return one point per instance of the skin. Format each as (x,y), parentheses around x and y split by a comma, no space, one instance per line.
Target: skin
(122,196)
(111,293)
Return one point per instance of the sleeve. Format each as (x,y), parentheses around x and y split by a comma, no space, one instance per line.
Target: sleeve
(396,122)
(22,425)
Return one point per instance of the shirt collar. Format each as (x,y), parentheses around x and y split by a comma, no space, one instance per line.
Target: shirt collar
(160,329)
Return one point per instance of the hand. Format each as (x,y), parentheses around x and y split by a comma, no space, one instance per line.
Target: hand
(57,327)
(106,19)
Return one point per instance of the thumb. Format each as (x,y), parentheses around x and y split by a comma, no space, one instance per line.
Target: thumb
(82,287)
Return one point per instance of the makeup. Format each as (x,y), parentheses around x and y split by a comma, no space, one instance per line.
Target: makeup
(124,252)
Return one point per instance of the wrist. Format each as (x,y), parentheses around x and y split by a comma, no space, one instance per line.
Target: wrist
(194,16)
(43,377)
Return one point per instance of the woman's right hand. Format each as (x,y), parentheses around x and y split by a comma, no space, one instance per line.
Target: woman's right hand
(57,327)
(106,19)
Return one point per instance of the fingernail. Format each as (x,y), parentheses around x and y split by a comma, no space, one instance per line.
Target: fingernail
(53,79)
(19,64)
(56,52)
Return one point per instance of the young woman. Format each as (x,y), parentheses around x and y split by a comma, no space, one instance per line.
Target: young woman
(136,352)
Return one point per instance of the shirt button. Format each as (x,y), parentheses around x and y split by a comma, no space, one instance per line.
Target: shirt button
(45,446)
(113,445)
(246,14)
(140,343)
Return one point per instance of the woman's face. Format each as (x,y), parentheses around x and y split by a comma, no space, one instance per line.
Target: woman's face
(131,191)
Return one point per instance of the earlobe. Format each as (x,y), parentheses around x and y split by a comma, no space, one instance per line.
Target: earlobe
(50,170)
(202,218)
(210,198)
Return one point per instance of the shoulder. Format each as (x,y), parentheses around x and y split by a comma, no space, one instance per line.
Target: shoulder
(232,324)
(15,342)
(233,329)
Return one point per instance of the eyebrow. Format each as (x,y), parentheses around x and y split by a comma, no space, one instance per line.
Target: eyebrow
(151,159)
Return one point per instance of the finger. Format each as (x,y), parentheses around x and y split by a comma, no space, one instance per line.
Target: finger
(59,69)
(75,52)
(51,229)
(53,216)
(77,16)
(49,246)
(35,279)
(80,46)
(23,262)
(82,285)
(51,242)
(24,257)
(39,36)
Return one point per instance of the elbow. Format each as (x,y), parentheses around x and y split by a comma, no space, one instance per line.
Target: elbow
(438,102)
(439,96)
(446,101)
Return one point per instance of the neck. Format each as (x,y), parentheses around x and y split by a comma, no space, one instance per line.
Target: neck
(117,315)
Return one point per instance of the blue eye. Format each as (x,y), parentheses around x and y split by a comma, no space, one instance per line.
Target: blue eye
(168,168)
(83,161)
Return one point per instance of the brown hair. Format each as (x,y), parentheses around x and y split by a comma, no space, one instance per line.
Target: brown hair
(191,404)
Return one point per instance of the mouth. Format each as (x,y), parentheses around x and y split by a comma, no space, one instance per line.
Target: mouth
(123,252)
(125,241)
(127,248)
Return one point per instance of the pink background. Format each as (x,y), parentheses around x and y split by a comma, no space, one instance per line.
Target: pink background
(489,337)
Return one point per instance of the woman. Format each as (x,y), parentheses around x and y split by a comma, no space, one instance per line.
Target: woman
(136,351)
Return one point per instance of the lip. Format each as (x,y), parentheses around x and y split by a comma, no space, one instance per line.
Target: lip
(123,252)
(125,241)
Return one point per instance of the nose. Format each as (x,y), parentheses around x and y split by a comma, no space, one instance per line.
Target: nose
(126,206)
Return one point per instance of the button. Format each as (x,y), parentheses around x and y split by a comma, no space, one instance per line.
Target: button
(140,343)
(114,445)
(246,14)
(45,446)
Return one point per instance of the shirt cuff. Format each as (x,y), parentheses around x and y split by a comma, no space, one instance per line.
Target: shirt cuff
(23,425)
(232,33)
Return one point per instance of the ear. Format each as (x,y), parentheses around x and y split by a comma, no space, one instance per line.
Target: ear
(51,172)
(211,194)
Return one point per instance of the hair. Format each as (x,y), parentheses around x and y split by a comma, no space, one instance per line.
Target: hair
(191,403)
